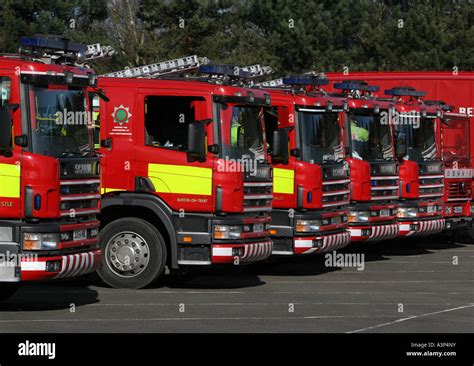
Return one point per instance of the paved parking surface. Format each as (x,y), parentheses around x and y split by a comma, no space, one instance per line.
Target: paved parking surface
(424,285)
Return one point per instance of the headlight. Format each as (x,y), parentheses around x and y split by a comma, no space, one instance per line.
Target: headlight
(227,231)
(40,241)
(358,216)
(307,226)
(407,211)
(472,208)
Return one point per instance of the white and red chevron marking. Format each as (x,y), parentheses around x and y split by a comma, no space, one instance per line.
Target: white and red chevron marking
(71,265)
(427,227)
(384,232)
(78,264)
(253,252)
(379,232)
(330,243)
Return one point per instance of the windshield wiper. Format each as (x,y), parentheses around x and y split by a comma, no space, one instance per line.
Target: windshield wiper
(70,154)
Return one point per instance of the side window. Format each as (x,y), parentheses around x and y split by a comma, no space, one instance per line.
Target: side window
(95,108)
(167,119)
(5,86)
(5,89)
(271,124)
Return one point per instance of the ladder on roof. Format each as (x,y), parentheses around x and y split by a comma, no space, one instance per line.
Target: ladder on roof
(272,83)
(96,51)
(182,64)
(256,70)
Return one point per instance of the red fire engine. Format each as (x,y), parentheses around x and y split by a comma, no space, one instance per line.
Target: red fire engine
(311,190)
(373,166)
(186,177)
(49,175)
(454,88)
(418,126)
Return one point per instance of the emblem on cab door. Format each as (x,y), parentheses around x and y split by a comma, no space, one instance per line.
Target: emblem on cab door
(121,114)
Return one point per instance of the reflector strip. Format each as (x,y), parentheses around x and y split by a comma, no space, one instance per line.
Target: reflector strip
(10,180)
(181,179)
(283,181)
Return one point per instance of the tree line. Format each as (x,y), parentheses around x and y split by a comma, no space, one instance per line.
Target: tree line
(290,36)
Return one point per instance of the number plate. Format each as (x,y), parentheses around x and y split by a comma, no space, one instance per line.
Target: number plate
(80,234)
(458,209)
(384,213)
(258,228)
(430,209)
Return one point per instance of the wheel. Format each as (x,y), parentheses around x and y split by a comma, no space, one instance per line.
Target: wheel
(133,253)
(7,290)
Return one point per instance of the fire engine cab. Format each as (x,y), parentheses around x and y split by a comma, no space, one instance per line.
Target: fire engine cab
(49,174)
(186,177)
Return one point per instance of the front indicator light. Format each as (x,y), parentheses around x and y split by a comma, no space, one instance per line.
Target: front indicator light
(358,216)
(307,226)
(33,241)
(227,231)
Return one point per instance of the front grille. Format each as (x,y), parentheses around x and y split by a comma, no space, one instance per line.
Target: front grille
(384,187)
(79,197)
(258,190)
(459,191)
(336,181)
(336,192)
(431,186)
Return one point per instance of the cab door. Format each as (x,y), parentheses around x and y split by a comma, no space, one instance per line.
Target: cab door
(10,155)
(186,185)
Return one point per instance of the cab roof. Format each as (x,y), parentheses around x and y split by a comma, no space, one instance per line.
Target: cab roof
(25,63)
(203,86)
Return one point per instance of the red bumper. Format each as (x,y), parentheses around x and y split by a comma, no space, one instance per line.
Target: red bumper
(421,228)
(376,232)
(251,252)
(321,244)
(71,266)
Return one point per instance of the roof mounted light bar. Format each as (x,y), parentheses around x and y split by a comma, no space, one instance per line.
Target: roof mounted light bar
(55,48)
(405,91)
(307,80)
(356,85)
(441,104)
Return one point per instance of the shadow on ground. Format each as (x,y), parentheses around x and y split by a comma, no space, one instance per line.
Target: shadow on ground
(49,296)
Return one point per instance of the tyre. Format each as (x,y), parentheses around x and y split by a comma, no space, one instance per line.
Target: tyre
(133,253)
(7,290)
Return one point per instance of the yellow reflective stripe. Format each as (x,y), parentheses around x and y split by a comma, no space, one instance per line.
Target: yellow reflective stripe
(181,179)
(10,180)
(109,190)
(283,181)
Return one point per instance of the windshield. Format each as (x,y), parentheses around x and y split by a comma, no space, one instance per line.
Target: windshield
(371,139)
(320,137)
(242,132)
(420,140)
(455,140)
(59,122)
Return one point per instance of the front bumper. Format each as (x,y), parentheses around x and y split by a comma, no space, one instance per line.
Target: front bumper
(373,232)
(455,223)
(251,252)
(312,244)
(72,265)
(421,227)
(332,242)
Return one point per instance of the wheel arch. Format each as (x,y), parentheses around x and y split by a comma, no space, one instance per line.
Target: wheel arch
(146,207)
